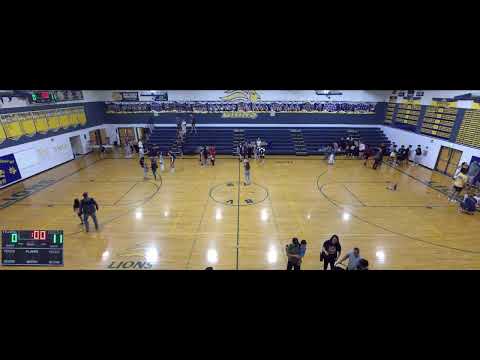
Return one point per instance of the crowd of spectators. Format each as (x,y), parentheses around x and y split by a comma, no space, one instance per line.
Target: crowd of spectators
(218,107)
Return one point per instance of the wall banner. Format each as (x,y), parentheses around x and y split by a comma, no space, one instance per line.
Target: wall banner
(9,171)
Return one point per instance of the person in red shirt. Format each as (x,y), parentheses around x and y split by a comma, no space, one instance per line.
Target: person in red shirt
(212,154)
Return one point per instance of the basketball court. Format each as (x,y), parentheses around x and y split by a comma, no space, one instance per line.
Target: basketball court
(204,216)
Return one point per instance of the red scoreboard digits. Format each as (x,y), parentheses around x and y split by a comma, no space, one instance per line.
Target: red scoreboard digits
(39,234)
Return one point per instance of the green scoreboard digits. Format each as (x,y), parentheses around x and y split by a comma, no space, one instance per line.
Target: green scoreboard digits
(32,247)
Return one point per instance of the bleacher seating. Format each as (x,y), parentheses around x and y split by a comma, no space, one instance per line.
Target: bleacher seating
(280,140)
(163,137)
(316,138)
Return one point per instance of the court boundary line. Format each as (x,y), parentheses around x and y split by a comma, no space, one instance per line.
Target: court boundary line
(386,229)
(238,217)
(50,184)
(355,196)
(125,194)
(130,208)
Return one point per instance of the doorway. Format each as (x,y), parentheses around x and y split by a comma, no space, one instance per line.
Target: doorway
(448,160)
(76,144)
(125,134)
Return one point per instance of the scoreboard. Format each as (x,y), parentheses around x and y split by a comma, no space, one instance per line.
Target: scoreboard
(53,96)
(439,119)
(408,113)
(32,247)
(469,133)
(391,105)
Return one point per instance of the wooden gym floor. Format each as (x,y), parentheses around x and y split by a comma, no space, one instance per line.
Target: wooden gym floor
(198,217)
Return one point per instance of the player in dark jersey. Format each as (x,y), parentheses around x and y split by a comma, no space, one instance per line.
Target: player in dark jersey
(172,160)
(378,158)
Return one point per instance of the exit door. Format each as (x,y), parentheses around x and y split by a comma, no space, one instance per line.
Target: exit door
(448,160)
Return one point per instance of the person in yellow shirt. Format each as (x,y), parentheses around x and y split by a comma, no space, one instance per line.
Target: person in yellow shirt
(458,184)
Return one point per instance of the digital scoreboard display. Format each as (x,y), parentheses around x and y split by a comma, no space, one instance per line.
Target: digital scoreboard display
(32,247)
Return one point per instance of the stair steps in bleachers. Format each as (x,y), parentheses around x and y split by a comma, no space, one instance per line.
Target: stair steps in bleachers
(238,137)
(298,142)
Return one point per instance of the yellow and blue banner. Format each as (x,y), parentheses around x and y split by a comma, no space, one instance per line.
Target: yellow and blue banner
(9,171)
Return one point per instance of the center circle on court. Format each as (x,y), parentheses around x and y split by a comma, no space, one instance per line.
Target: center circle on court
(234,193)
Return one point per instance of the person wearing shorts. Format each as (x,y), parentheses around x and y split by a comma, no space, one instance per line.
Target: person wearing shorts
(458,185)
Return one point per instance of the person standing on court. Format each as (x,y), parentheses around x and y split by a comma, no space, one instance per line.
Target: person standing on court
(172,161)
(361,149)
(194,128)
(418,155)
(205,155)
(293,255)
(144,166)
(213,154)
(154,166)
(330,252)
(459,183)
(89,207)
(378,158)
(77,210)
(246,172)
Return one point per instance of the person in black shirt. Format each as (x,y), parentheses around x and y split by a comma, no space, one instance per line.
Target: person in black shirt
(76,210)
(154,166)
(378,158)
(331,251)
(89,207)
(194,128)
(408,151)
(172,160)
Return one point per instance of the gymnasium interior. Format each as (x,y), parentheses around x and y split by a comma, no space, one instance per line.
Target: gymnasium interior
(197,214)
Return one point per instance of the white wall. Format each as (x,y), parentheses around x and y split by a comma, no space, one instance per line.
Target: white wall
(278,95)
(37,156)
(403,137)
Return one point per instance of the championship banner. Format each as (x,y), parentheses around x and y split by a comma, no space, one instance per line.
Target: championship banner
(12,127)
(9,171)
(82,117)
(53,123)
(40,120)
(28,125)
(3,136)
(63,119)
